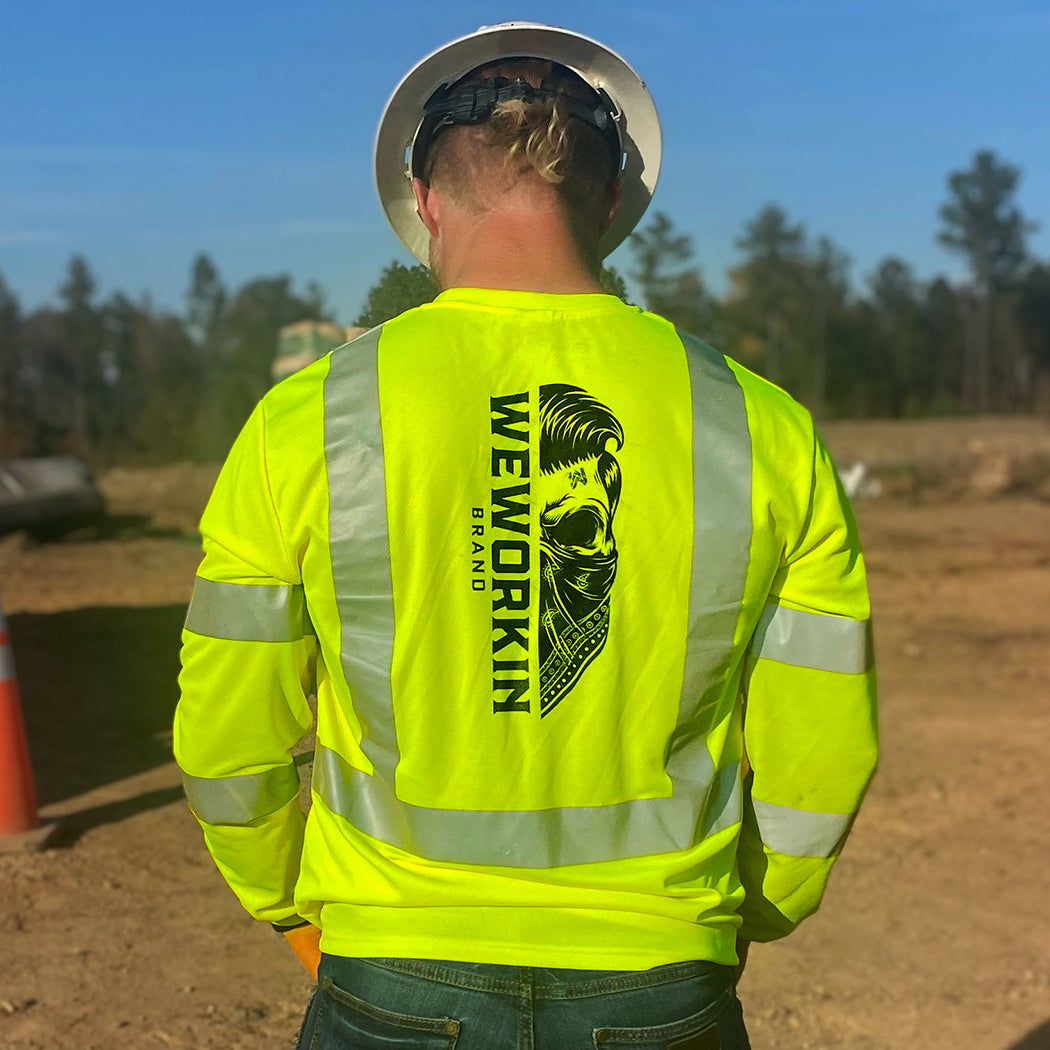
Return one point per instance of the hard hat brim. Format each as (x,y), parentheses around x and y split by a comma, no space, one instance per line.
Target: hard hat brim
(596,64)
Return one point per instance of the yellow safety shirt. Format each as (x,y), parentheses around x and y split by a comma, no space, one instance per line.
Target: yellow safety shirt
(585,614)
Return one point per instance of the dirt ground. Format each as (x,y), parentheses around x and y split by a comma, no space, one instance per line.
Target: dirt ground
(935,932)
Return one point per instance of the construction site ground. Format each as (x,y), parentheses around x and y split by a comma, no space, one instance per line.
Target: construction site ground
(935,931)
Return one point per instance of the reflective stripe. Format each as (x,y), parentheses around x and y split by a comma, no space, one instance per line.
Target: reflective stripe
(806,639)
(800,833)
(532,838)
(703,800)
(241,799)
(721,539)
(358,542)
(248,612)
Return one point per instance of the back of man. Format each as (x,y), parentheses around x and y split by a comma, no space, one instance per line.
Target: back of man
(533,549)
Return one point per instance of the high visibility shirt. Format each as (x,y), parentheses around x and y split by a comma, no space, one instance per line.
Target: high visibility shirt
(585,614)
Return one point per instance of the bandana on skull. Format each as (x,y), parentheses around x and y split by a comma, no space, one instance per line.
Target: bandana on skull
(580,491)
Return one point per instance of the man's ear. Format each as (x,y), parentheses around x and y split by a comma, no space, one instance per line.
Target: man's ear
(421,191)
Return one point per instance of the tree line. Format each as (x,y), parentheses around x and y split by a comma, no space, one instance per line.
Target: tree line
(901,347)
(120,380)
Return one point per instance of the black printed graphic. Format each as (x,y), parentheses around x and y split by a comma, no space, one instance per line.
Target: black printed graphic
(579,488)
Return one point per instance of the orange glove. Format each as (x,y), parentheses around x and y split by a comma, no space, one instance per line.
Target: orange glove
(305,941)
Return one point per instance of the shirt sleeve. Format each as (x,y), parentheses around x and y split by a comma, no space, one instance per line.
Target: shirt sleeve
(248,664)
(810,725)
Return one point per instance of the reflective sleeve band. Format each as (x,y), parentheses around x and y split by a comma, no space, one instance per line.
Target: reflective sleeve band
(248,612)
(241,799)
(805,639)
(799,833)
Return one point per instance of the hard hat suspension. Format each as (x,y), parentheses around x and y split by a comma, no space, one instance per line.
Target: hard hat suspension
(462,104)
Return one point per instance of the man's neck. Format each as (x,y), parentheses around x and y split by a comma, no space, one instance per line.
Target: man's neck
(526,251)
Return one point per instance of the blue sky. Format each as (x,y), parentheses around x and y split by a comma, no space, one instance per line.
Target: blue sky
(139,134)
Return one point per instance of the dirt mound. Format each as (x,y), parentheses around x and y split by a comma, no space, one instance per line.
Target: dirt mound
(948,459)
(171,497)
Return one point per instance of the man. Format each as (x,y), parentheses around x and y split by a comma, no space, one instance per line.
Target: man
(580,598)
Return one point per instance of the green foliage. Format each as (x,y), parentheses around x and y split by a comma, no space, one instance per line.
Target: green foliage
(895,298)
(669,287)
(942,349)
(612,283)
(250,327)
(118,393)
(769,241)
(45,391)
(10,319)
(10,322)
(826,279)
(79,287)
(82,348)
(655,248)
(399,288)
(907,349)
(982,222)
(165,388)
(1033,312)
(315,301)
(120,380)
(788,302)
(10,311)
(254,319)
(205,301)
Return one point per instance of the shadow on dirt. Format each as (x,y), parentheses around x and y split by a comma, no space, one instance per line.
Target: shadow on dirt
(1037,1039)
(99,688)
(134,526)
(113,527)
(73,826)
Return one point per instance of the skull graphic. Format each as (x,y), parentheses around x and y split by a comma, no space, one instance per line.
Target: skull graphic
(578,488)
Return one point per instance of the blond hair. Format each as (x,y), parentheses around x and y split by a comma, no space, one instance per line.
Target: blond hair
(536,134)
(529,136)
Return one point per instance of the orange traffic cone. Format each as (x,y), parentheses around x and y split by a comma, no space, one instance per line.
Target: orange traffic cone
(17,796)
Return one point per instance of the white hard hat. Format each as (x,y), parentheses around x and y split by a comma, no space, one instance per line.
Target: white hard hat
(624,96)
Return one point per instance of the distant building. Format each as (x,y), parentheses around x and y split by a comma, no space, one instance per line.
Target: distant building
(301,343)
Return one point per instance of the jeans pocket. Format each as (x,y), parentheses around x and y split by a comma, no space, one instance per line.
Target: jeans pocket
(699,1031)
(344,1020)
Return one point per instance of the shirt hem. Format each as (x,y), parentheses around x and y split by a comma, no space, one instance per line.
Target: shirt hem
(544,939)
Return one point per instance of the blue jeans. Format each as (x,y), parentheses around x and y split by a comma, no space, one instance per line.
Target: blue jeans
(417,1004)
